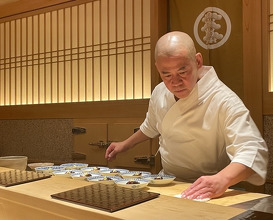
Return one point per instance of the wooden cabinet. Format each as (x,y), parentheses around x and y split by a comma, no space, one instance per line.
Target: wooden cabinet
(94,133)
(130,158)
(97,136)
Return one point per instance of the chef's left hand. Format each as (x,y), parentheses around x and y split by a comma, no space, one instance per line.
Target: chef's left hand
(206,187)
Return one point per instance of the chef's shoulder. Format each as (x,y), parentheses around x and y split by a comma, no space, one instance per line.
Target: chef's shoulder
(160,90)
(161,97)
(229,102)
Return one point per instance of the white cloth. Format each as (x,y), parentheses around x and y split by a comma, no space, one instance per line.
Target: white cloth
(204,132)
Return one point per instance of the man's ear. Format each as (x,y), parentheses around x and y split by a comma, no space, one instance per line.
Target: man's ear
(199,60)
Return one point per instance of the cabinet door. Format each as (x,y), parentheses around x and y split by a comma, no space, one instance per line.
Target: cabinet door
(96,133)
(121,131)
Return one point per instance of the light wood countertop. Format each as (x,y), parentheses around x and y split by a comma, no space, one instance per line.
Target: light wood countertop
(33,201)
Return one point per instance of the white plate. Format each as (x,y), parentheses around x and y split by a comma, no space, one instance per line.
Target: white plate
(154,179)
(64,173)
(71,166)
(48,169)
(94,169)
(135,174)
(103,179)
(141,183)
(83,176)
(34,165)
(114,172)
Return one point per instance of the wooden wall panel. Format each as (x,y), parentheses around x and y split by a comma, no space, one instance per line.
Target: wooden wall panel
(267,34)
(252,60)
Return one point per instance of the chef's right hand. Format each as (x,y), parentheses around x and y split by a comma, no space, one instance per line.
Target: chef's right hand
(113,150)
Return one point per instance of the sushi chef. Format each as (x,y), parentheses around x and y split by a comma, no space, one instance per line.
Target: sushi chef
(206,133)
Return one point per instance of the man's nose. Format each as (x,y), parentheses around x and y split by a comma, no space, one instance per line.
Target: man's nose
(176,80)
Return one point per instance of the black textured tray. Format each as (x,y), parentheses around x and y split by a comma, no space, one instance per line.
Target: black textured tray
(15,177)
(108,197)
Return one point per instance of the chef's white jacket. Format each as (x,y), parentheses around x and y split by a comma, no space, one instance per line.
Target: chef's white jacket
(204,132)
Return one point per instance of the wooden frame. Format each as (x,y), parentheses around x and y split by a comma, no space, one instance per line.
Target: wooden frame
(100,109)
(252,59)
(159,19)
(267,96)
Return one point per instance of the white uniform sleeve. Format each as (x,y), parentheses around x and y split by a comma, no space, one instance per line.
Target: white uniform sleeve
(149,126)
(245,144)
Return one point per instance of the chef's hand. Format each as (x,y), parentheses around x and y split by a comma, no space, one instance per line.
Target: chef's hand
(117,147)
(215,185)
(206,187)
(113,149)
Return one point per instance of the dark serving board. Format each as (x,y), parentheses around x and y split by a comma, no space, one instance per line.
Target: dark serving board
(15,177)
(108,197)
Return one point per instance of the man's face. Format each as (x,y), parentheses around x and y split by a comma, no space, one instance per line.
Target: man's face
(179,73)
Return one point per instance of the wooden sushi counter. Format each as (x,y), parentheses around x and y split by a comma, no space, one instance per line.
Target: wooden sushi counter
(33,201)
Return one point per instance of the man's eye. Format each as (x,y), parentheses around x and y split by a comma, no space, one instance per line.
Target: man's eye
(182,73)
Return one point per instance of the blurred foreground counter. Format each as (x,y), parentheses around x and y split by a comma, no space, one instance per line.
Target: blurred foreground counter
(33,201)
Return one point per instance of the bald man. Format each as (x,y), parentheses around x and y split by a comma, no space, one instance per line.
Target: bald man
(206,134)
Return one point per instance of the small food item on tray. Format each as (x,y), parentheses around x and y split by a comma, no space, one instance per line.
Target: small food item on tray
(133,182)
(114,171)
(83,176)
(135,174)
(74,171)
(106,178)
(64,173)
(103,179)
(158,178)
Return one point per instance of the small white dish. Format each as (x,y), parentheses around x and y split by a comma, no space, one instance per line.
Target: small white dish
(114,172)
(135,174)
(64,173)
(83,176)
(34,165)
(77,166)
(94,169)
(156,179)
(48,169)
(103,179)
(132,183)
